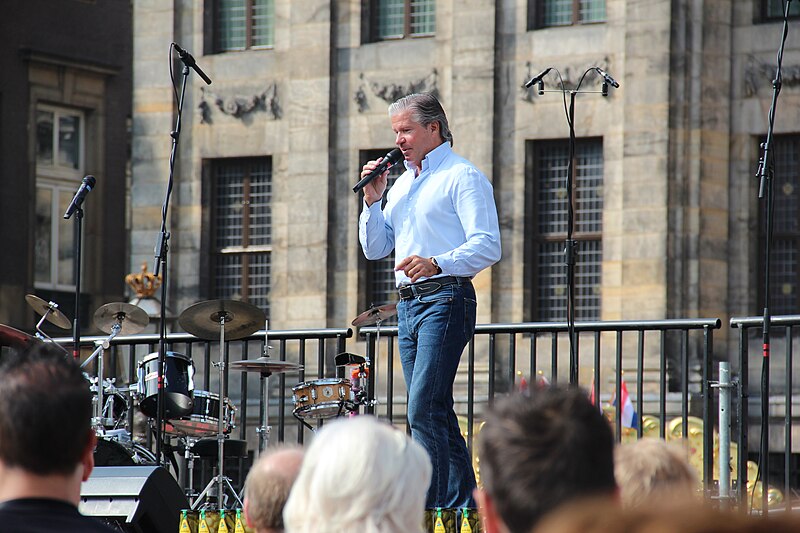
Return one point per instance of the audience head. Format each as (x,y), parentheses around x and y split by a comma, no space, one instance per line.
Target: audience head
(683,517)
(539,452)
(45,411)
(653,471)
(359,475)
(267,487)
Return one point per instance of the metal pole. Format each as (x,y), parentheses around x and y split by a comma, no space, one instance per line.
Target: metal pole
(724,434)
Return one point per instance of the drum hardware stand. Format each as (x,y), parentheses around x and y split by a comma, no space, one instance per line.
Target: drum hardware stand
(113,318)
(189,456)
(264,429)
(220,480)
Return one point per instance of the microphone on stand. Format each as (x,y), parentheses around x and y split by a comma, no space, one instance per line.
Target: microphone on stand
(189,61)
(389,160)
(609,80)
(77,200)
(537,78)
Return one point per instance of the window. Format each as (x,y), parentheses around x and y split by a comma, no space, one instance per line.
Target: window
(242,233)
(59,169)
(381,287)
(547,13)
(244,24)
(772,10)
(547,201)
(784,260)
(397,19)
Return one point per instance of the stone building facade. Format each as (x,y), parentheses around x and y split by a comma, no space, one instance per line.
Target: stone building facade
(677,143)
(65,106)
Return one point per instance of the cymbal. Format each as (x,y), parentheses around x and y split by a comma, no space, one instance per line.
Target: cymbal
(265,365)
(49,310)
(15,338)
(240,319)
(375,314)
(132,318)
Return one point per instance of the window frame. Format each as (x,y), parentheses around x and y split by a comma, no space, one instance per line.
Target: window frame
(245,251)
(62,181)
(371,14)
(788,143)
(764,14)
(535,239)
(536,10)
(216,42)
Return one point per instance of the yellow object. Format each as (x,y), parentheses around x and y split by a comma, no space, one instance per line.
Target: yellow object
(239,528)
(438,526)
(223,527)
(465,527)
(203,526)
(184,528)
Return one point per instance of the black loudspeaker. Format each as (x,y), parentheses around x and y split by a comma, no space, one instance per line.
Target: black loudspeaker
(135,499)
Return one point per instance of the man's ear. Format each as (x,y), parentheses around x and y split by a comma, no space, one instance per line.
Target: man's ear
(491,521)
(88,455)
(247,519)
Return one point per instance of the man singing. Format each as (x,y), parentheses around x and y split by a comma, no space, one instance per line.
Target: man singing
(441,220)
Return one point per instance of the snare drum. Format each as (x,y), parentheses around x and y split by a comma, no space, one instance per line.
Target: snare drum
(204,419)
(178,385)
(323,398)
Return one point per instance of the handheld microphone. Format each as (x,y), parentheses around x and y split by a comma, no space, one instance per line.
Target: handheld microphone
(538,78)
(77,200)
(389,160)
(609,80)
(189,61)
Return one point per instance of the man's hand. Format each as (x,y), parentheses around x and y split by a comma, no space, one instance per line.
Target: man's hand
(373,191)
(416,267)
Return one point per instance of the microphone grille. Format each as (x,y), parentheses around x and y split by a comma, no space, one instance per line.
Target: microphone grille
(89,180)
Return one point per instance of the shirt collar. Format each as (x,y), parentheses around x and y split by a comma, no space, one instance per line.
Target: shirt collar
(433,159)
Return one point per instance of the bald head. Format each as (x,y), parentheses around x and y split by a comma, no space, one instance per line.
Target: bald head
(267,487)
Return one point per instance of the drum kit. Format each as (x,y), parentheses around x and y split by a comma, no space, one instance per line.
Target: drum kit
(192,415)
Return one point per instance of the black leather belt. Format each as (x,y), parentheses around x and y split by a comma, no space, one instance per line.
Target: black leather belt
(429,286)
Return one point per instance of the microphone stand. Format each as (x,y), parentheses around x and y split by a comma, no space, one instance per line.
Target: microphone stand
(161,249)
(766,173)
(570,244)
(76,318)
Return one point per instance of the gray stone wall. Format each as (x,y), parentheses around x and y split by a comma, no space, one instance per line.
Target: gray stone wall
(679,208)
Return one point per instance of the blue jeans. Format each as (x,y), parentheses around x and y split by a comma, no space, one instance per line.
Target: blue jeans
(433,331)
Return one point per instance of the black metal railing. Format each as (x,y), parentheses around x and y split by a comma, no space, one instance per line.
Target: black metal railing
(750,341)
(511,347)
(668,364)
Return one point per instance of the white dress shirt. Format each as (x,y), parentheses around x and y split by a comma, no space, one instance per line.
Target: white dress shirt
(447,212)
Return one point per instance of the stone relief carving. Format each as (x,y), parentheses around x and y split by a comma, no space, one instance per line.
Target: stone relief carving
(239,106)
(571,75)
(392,91)
(759,75)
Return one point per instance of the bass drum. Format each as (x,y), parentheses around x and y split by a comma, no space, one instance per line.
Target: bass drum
(110,452)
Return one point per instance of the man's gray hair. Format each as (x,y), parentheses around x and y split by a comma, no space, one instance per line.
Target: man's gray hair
(425,109)
(360,474)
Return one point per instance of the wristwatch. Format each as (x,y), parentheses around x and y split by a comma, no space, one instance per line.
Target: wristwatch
(438,268)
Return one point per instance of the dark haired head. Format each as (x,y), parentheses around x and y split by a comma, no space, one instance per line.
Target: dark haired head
(539,452)
(45,410)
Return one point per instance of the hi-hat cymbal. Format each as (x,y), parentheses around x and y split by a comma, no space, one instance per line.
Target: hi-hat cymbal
(240,319)
(49,310)
(375,314)
(265,365)
(132,319)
